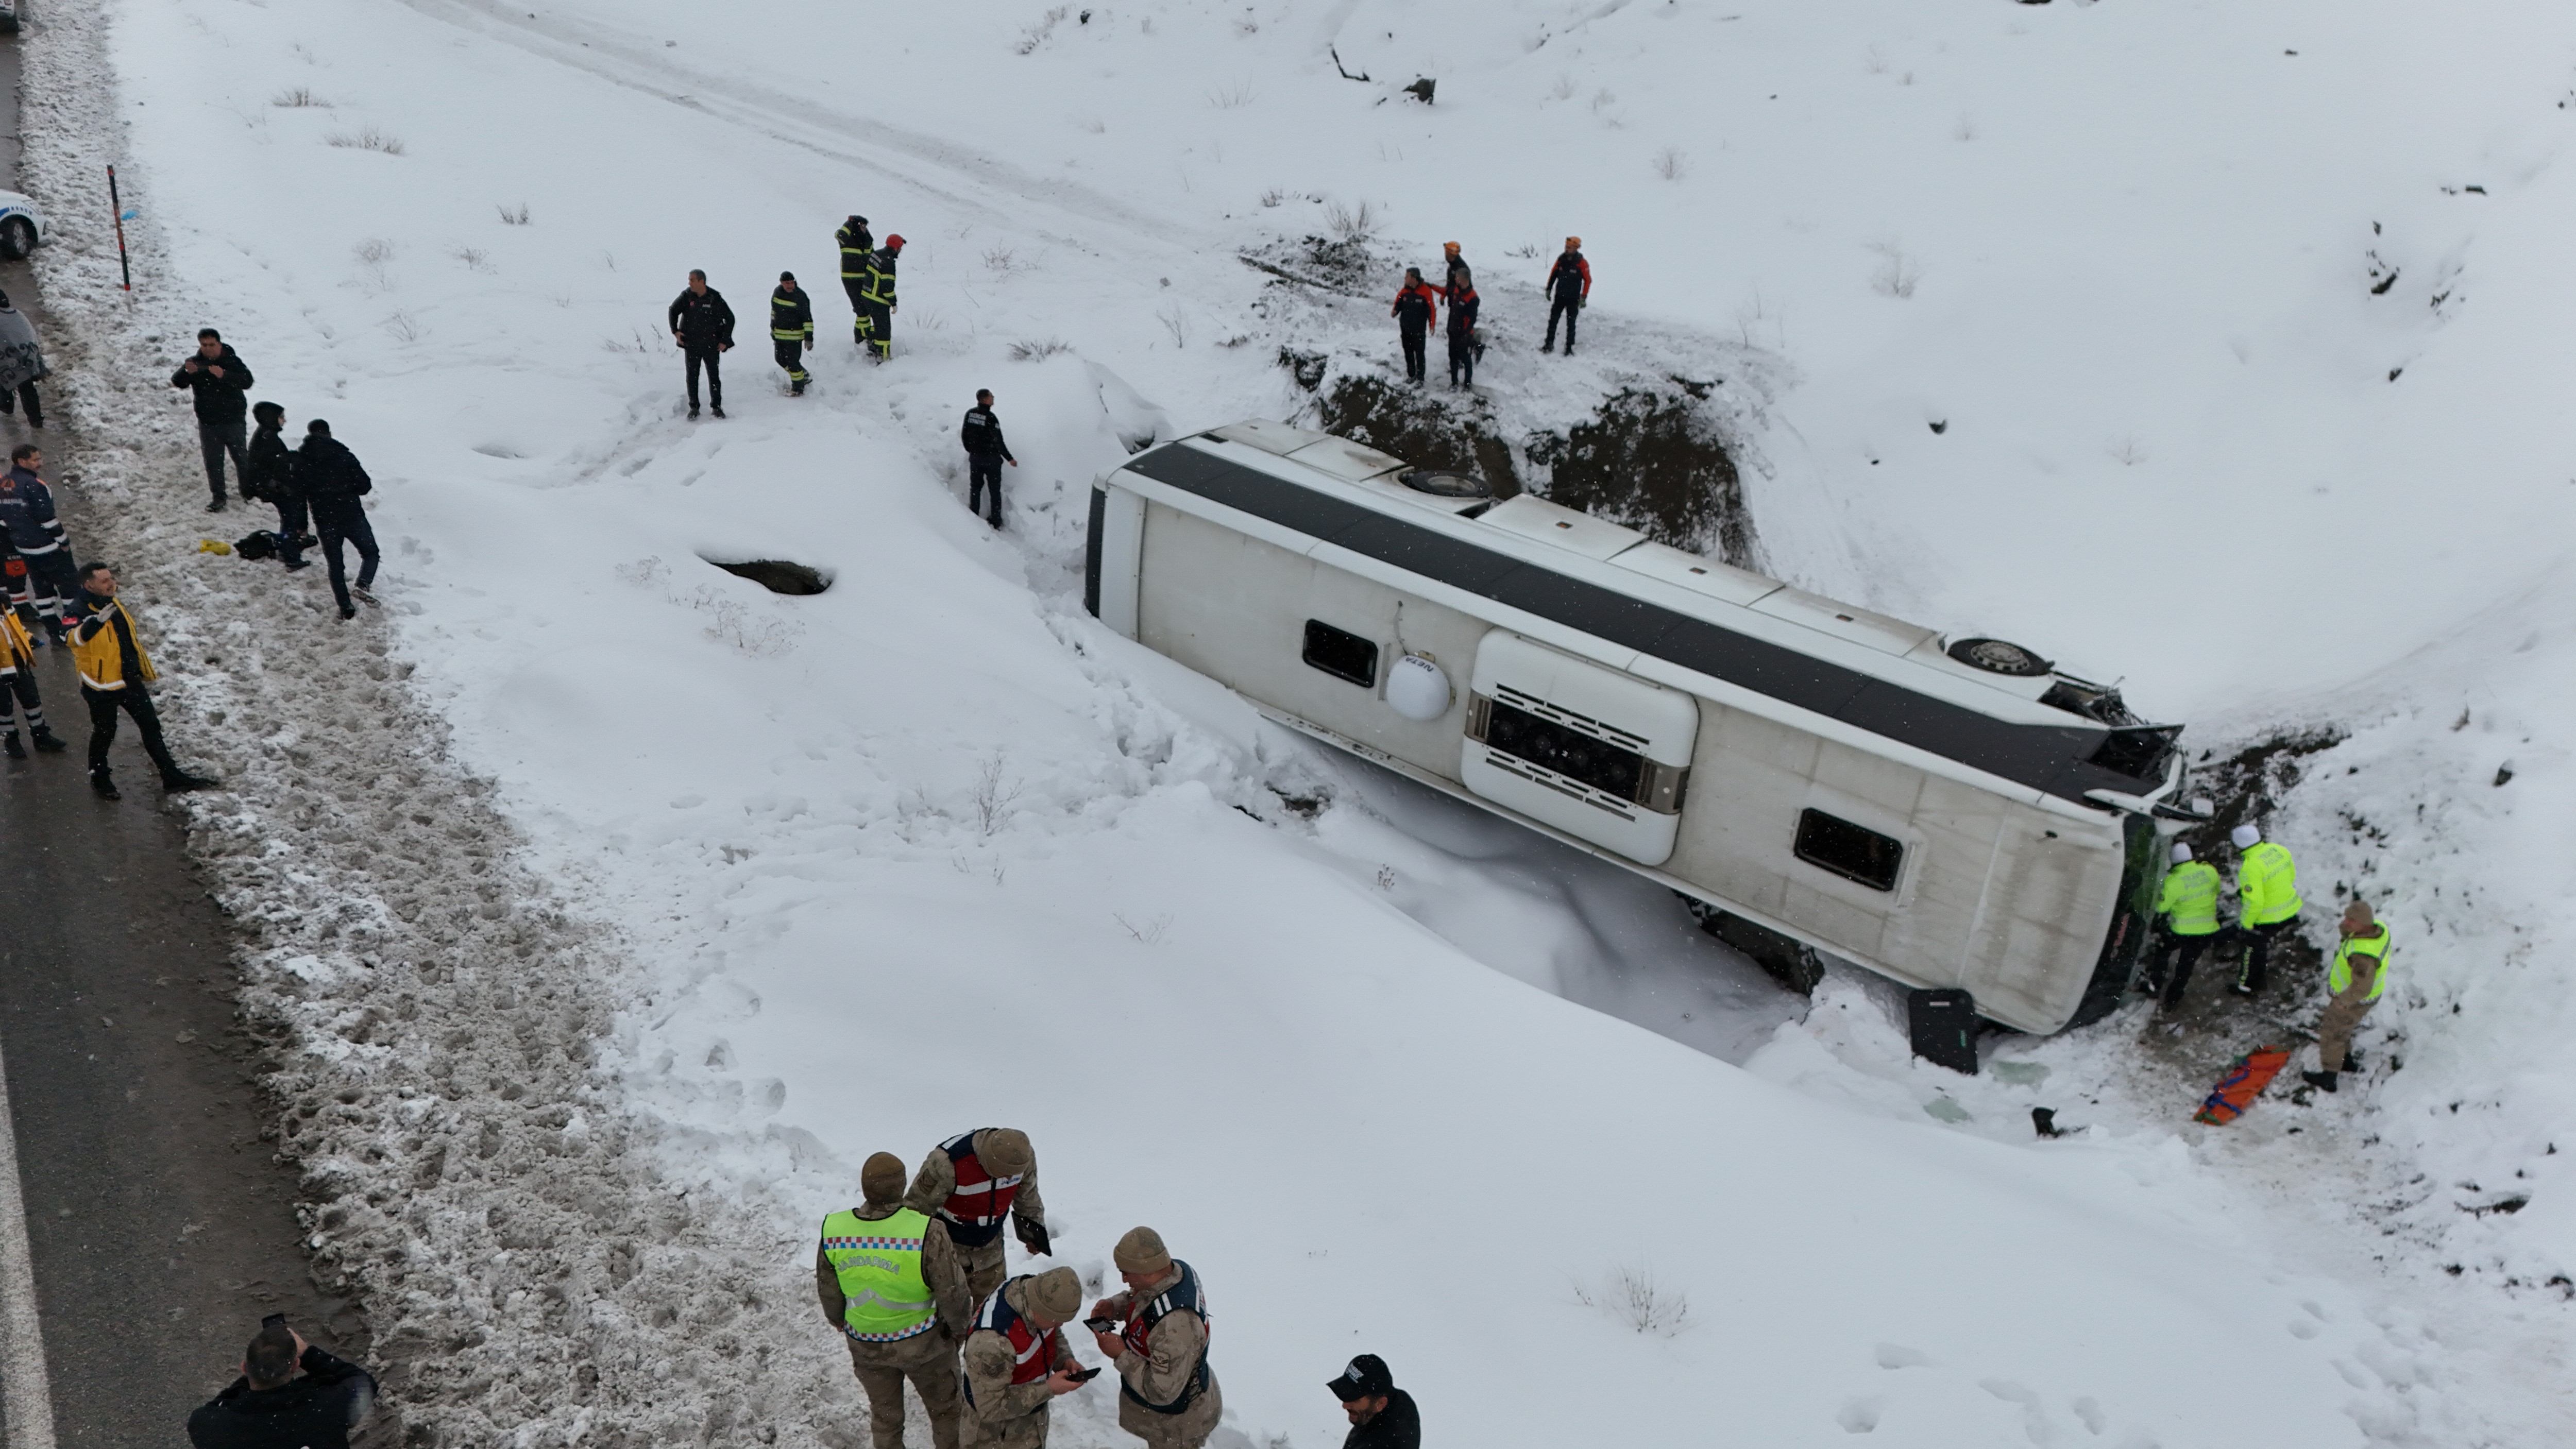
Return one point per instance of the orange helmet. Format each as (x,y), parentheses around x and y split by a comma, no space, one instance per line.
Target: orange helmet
(1450,247)
(894,243)
(1574,243)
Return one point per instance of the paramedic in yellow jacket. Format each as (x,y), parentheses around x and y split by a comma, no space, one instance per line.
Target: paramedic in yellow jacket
(18,686)
(114,673)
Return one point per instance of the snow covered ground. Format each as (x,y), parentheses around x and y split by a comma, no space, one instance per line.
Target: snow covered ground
(613,908)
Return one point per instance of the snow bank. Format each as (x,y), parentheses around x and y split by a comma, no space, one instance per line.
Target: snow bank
(611,908)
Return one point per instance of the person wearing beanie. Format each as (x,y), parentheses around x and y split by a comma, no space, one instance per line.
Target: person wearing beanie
(2267,897)
(1382,1415)
(268,476)
(889,1282)
(1167,1395)
(2188,905)
(2354,981)
(1569,287)
(1016,1361)
(855,243)
(876,301)
(791,331)
(971,1182)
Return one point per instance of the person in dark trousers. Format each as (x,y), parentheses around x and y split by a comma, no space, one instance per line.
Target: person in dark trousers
(1569,287)
(220,381)
(269,477)
(856,244)
(876,301)
(702,324)
(36,535)
(114,673)
(1382,1415)
(22,365)
(18,685)
(1462,329)
(1459,273)
(333,482)
(985,454)
(290,1395)
(791,331)
(1413,310)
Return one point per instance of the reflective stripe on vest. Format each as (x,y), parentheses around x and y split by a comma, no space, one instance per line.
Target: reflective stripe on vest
(879,1265)
(980,1201)
(854,253)
(2267,885)
(1034,1355)
(2370,948)
(880,284)
(1140,1328)
(2189,901)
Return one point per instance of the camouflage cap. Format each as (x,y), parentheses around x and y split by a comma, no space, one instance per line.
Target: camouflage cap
(882,1178)
(1054,1295)
(1141,1251)
(1005,1151)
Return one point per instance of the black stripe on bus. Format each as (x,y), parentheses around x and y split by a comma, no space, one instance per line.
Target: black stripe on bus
(2048,758)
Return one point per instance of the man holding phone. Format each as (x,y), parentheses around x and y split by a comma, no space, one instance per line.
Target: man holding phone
(1017,1364)
(1156,1333)
(291,1395)
(889,1282)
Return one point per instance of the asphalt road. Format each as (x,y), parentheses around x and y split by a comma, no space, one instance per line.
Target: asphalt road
(160,1224)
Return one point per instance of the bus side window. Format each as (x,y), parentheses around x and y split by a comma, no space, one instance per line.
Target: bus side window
(1341,654)
(1851,851)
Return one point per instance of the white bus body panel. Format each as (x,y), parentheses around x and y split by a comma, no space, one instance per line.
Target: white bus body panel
(1619,709)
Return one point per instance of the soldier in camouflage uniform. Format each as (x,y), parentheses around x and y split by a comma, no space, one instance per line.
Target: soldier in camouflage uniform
(892,1338)
(972,1182)
(1017,1363)
(1166,1394)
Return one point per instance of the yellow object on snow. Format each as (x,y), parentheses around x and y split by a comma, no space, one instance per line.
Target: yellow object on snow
(213,545)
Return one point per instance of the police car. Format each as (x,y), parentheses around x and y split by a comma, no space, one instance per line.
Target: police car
(22,226)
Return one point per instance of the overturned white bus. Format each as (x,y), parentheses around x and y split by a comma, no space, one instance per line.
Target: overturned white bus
(1949,814)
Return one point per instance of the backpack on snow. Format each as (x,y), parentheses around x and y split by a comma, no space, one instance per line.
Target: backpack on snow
(260,544)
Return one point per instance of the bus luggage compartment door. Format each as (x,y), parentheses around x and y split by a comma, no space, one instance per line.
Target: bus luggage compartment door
(1600,755)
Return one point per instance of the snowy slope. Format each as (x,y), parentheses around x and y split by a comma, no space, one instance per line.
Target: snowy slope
(2122,255)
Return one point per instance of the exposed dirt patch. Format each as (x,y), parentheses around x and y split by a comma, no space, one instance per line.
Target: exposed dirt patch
(778,575)
(1647,460)
(1427,431)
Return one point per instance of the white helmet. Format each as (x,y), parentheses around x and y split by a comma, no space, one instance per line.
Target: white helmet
(2181,852)
(2246,837)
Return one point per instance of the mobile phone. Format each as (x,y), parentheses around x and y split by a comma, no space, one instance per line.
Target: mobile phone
(1101,1325)
(1084,1376)
(272,1320)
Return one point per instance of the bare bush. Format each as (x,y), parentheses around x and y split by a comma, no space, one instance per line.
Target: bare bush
(1672,163)
(1896,273)
(375,251)
(1351,222)
(513,215)
(1176,322)
(404,327)
(365,139)
(1563,90)
(1527,251)
(1001,259)
(993,794)
(1038,349)
(1150,933)
(1273,197)
(1036,35)
(2127,450)
(299,98)
(1231,98)
(1633,1297)
(473,257)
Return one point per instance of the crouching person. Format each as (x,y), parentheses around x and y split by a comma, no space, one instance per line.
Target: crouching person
(890,1283)
(1017,1364)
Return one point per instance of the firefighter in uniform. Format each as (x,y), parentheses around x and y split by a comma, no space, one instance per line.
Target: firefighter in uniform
(1016,1361)
(855,243)
(1167,1396)
(2189,904)
(2267,894)
(2353,986)
(971,1182)
(889,1283)
(876,301)
(791,331)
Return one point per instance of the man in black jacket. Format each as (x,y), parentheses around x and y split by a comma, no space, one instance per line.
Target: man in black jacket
(856,246)
(269,476)
(791,331)
(291,1395)
(333,482)
(220,380)
(985,454)
(702,324)
(1382,1415)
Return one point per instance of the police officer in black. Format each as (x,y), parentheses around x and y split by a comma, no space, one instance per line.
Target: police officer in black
(985,454)
(1382,1415)
(290,1395)
(702,324)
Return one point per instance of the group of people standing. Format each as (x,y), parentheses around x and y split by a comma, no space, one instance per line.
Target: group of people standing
(914,1279)
(702,322)
(1569,287)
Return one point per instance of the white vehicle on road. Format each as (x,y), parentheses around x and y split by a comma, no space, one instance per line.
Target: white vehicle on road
(22,226)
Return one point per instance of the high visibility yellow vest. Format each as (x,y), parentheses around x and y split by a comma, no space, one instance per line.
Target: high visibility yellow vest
(18,648)
(2189,901)
(879,1265)
(101,660)
(2373,949)
(2267,885)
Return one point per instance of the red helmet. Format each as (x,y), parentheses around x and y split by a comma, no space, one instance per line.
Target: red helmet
(894,243)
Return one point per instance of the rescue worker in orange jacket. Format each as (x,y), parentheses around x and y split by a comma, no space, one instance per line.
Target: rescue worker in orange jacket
(1569,287)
